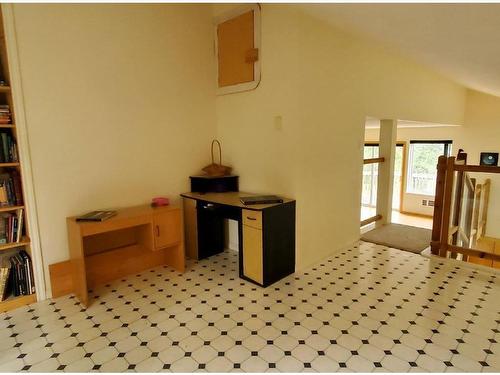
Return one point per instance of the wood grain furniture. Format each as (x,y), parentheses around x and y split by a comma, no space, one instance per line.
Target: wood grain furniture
(488,245)
(237,44)
(137,238)
(266,233)
(7,249)
(461,212)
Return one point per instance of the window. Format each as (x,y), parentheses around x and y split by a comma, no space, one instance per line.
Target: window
(422,165)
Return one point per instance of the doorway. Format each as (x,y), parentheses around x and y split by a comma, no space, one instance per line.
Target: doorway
(370,179)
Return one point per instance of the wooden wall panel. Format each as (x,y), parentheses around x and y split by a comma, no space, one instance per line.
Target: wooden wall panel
(235,45)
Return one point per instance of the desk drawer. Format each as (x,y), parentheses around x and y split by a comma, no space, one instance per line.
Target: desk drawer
(252,218)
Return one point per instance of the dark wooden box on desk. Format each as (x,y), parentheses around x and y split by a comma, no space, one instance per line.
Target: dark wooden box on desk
(266,233)
(218,184)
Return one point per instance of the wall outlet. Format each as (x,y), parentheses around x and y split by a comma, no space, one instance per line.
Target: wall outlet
(430,203)
(424,202)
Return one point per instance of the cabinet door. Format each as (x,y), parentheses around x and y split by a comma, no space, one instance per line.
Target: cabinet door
(167,228)
(252,218)
(253,254)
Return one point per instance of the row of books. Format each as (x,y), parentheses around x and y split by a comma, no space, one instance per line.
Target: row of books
(10,189)
(21,281)
(8,148)
(11,226)
(5,115)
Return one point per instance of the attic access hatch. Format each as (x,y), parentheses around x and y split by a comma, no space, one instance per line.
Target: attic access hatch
(237,45)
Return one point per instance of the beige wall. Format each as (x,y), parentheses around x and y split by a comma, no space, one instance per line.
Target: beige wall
(482,125)
(120,105)
(323,83)
(482,133)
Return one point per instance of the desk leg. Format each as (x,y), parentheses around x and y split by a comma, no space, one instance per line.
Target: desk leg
(79,276)
(175,257)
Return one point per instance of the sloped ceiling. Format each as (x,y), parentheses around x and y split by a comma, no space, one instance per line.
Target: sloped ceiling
(460,41)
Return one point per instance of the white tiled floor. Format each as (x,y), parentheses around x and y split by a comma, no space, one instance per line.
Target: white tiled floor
(367,308)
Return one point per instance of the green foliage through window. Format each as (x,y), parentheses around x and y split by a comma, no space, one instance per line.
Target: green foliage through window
(422,167)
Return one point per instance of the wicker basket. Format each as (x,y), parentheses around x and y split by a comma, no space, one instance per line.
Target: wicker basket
(215,169)
(4,278)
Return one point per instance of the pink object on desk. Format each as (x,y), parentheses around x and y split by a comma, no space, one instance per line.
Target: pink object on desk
(160,201)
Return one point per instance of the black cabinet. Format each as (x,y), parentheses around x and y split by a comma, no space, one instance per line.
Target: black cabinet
(217,184)
(210,229)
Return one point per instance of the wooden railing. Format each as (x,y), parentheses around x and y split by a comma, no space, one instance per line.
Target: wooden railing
(373,160)
(370,220)
(377,216)
(457,220)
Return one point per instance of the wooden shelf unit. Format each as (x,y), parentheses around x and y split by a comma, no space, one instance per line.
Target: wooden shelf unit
(12,303)
(6,97)
(10,208)
(25,241)
(9,165)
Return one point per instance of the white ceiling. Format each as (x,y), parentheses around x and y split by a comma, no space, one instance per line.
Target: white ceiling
(461,41)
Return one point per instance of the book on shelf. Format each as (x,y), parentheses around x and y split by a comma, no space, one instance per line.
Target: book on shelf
(10,189)
(21,280)
(8,148)
(5,115)
(11,226)
(4,276)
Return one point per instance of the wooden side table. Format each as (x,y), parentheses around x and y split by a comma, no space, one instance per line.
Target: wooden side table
(137,238)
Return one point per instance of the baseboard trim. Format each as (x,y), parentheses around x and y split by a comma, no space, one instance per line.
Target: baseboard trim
(426,216)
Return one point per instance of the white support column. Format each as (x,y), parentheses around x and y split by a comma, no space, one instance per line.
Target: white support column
(387,150)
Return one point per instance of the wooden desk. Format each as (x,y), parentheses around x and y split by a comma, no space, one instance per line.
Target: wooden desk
(137,238)
(266,233)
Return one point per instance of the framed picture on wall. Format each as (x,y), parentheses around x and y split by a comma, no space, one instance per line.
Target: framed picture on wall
(489,159)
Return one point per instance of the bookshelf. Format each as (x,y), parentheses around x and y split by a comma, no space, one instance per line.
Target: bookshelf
(10,208)
(23,242)
(11,164)
(3,165)
(12,303)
